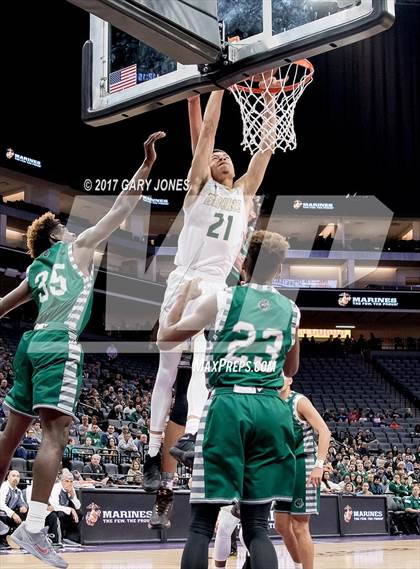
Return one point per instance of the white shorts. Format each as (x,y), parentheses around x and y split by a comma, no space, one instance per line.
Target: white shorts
(178,277)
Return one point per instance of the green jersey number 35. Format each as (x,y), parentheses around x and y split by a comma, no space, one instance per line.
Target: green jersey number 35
(57,285)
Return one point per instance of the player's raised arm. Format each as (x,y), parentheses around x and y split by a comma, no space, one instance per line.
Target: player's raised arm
(174,329)
(200,167)
(125,203)
(308,412)
(254,176)
(195,120)
(15,298)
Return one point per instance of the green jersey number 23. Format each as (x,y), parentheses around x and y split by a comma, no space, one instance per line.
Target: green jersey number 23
(271,349)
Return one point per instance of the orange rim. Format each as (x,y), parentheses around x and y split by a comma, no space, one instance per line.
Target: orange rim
(258,90)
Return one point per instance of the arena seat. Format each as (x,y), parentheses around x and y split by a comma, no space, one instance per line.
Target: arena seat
(111,469)
(19,464)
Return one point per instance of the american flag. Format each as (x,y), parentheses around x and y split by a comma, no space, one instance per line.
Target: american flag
(122,79)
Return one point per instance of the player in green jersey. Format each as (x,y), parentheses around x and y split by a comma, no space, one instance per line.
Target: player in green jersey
(245,443)
(412,509)
(48,362)
(292,519)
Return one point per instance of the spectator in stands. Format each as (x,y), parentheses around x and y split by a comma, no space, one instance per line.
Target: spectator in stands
(376,487)
(409,454)
(4,386)
(407,482)
(95,434)
(353,416)
(388,474)
(73,430)
(416,433)
(30,443)
(13,508)
(38,430)
(342,416)
(94,421)
(124,431)
(412,508)
(344,481)
(135,416)
(88,444)
(327,415)
(343,467)
(67,506)
(108,435)
(141,442)
(68,451)
(365,490)
(348,489)
(126,444)
(116,413)
(327,486)
(361,344)
(134,475)
(408,413)
(83,428)
(95,471)
(112,449)
(109,396)
(359,481)
(394,425)
(397,488)
(128,411)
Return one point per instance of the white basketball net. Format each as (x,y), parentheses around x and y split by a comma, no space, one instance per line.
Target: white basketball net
(268,111)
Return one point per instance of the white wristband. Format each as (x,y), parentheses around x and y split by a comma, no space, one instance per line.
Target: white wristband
(319,463)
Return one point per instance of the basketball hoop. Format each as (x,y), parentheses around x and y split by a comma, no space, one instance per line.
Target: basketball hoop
(267,102)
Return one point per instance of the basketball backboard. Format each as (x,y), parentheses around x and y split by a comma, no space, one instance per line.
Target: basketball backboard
(123,76)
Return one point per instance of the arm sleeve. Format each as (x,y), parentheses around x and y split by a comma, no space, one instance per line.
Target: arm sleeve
(295,322)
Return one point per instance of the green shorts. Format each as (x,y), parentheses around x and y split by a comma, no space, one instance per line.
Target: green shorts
(244,449)
(48,373)
(305,498)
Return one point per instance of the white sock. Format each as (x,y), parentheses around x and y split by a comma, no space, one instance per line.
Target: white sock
(197,393)
(192,426)
(37,513)
(154,444)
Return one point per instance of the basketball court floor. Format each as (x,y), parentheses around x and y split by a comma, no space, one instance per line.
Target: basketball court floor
(389,553)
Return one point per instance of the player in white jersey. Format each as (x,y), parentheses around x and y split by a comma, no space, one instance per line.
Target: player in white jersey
(216,214)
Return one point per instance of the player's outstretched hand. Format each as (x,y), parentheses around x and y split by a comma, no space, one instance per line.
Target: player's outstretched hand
(149,146)
(315,477)
(191,289)
(194,290)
